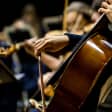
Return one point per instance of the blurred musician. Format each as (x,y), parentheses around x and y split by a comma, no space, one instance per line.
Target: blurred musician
(24,65)
(80,15)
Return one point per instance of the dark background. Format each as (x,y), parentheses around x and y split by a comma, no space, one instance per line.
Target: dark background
(11,9)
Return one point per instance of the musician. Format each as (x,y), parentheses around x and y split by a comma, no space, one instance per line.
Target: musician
(31,17)
(55,43)
(74,10)
(76,19)
(24,65)
(80,14)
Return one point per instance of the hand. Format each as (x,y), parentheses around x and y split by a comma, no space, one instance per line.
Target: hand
(35,104)
(106,7)
(28,45)
(47,43)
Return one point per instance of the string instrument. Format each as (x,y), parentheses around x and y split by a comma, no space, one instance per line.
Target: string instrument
(80,23)
(56,32)
(85,29)
(88,27)
(65,14)
(78,81)
(4,52)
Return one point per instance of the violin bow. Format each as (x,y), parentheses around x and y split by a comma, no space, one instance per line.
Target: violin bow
(64,16)
(42,84)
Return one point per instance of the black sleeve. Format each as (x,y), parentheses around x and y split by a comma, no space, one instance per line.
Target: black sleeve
(73,40)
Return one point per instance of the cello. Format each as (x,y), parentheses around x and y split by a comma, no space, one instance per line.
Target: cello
(82,73)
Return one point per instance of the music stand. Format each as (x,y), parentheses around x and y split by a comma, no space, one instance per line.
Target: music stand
(10,90)
(6,75)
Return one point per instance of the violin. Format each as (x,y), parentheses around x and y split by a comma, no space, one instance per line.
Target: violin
(84,30)
(6,49)
(88,27)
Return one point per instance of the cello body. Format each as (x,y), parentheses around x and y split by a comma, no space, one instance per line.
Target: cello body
(82,72)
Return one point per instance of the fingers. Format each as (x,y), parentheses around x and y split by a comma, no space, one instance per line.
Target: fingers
(108,1)
(106,7)
(32,45)
(37,43)
(42,45)
(35,103)
(39,46)
(29,48)
(102,10)
(30,42)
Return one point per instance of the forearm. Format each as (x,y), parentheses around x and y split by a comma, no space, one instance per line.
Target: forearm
(52,62)
(52,43)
